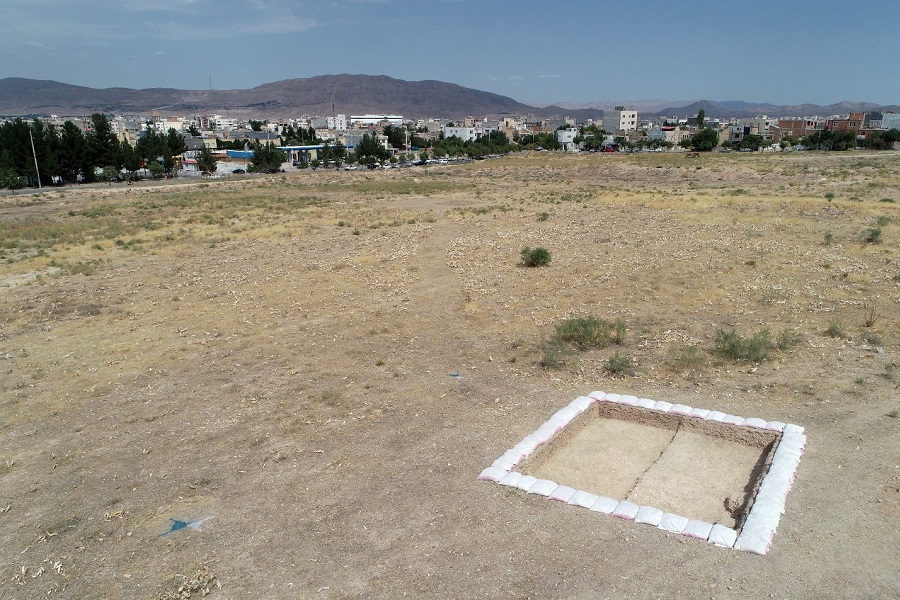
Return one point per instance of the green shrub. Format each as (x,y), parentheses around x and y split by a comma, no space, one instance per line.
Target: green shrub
(829,238)
(873,235)
(619,364)
(535,257)
(591,332)
(835,330)
(882,221)
(787,339)
(543,216)
(553,354)
(730,346)
(687,358)
(829,196)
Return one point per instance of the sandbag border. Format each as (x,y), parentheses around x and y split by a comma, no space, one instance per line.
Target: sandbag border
(761,522)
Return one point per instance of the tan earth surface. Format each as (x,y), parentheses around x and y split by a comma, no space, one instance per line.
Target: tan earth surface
(274,353)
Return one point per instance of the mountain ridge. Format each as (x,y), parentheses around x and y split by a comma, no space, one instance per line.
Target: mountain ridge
(358,94)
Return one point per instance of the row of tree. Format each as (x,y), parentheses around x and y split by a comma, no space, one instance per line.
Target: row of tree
(67,154)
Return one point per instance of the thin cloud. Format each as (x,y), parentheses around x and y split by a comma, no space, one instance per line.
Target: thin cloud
(39,45)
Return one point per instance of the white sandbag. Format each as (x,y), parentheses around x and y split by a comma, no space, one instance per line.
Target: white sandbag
(697,529)
(722,536)
(542,487)
(626,510)
(511,479)
(791,428)
(583,499)
(764,517)
(528,444)
(565,414)
(792,439)
(629,400)
(753,543)
(680,409)
(715,415)
(604,505)
(699,412)
(546,431)
(645,402)
(597,395)
(775,426)
(492,474)
(562,493)
(611,397)
(582,403)
(648,515)
(755,422)
(673,523)
(525,482)
(756,536)
(733,420)
(662,406)
(508,460)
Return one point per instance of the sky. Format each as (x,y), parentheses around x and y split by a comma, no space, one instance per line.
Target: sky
(535,51)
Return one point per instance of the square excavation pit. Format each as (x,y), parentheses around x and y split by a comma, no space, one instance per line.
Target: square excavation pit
(691,471)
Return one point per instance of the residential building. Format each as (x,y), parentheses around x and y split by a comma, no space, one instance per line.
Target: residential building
(620,119)
(853,122)
(797,128)
(890,120)
(566,138)
(376,120)
(466,134)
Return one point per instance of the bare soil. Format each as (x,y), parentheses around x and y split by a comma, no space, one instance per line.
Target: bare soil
(275,353)
(679,471)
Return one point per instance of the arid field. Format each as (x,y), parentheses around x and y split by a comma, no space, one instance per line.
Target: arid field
(321,363)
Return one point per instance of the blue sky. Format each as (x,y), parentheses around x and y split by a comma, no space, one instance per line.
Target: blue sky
(538,52)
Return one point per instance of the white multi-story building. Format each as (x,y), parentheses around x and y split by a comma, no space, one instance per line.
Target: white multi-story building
(376,119)
(890,120)
(337,122)
(566,138)
(620,119)
(466,134)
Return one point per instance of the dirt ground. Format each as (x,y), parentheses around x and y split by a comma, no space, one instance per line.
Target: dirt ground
(683,472)
(275,353)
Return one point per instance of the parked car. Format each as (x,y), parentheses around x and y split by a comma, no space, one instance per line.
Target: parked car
(238,172)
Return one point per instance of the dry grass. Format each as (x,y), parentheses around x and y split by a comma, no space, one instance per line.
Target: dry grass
(276,351)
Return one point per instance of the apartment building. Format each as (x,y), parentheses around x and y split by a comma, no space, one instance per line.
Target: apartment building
(852,122)
(620,119)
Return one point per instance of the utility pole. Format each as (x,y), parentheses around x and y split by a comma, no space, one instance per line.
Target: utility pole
(33,153)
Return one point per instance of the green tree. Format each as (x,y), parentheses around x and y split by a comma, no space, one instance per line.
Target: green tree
(256,125)
(110,174)
(752,142)
(156,169)
(102,144)
(175,142)
(701,118)
(10,180)
(368,149)
(206,162)
(396,136)
(266,158)
(704,140)
(194,131)
(130,160)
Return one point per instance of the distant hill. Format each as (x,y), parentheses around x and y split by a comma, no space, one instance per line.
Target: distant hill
(739,109)
(350,94)
(353,95)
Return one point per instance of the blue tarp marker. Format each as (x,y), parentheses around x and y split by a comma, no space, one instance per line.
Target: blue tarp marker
(178,525)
